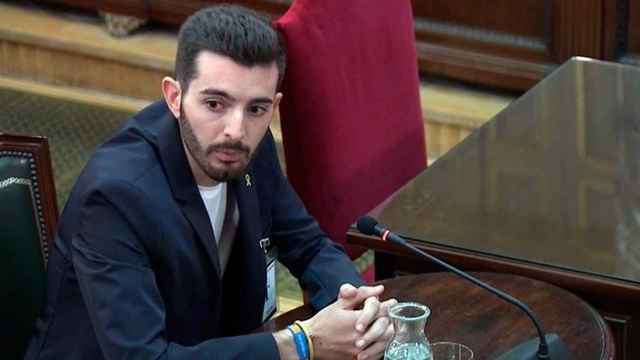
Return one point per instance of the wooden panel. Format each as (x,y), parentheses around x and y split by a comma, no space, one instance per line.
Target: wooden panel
(634,26)
(493,15)
(614,18)
(620,328)
(176,12)
(625,36)
(52,66)
(85,4)
(498,27)
(503,43)
(577,29)
(621,34)
(138,8)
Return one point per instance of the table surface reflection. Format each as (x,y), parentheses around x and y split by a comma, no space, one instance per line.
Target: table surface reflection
(553,179)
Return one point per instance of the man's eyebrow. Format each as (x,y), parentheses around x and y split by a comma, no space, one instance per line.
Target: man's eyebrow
(222,93)
(262,100)
(216,92)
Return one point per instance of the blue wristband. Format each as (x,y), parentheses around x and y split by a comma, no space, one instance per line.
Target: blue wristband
(301,343)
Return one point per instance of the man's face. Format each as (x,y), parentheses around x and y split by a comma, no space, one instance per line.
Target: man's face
(225,114)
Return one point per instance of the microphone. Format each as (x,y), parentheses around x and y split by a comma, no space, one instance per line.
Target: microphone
(549,347)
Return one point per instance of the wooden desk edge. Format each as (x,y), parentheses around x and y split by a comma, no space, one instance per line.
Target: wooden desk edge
(594,284)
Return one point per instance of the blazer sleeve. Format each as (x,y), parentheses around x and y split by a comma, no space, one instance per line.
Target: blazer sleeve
(320,264)
(118,284)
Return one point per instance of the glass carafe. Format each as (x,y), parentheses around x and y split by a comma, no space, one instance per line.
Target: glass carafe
(409,341)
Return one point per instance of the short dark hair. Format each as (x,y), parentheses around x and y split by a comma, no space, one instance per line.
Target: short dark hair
(244,35)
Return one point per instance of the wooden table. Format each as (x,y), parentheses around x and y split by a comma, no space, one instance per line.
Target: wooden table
(465,313)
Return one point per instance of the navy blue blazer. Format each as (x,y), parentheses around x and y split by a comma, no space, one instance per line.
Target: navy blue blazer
(134,273)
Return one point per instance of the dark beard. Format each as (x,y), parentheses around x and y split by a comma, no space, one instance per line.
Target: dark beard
(199,154)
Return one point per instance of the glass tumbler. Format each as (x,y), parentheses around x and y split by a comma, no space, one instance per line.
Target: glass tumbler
(447,350)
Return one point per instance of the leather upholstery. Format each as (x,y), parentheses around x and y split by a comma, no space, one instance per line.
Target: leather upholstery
(25,227)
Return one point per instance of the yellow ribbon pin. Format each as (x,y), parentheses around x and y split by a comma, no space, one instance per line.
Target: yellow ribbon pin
(247,179)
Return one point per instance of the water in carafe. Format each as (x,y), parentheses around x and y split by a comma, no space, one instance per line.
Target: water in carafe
(409,352)
(409,341)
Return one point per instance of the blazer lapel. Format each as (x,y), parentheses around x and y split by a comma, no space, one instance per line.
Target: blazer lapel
(183,185)
(245,277)
(196,213)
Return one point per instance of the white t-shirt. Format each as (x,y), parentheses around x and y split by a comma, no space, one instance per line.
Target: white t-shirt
(215,200)
(224,223)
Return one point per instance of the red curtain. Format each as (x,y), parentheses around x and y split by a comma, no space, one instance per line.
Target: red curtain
(351,116)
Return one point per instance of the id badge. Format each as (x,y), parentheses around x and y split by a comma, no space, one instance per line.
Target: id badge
(271,296)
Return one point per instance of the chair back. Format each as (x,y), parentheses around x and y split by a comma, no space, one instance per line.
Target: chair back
(351,116)
(28,216)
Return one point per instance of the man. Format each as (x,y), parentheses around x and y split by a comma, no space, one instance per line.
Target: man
(161,249)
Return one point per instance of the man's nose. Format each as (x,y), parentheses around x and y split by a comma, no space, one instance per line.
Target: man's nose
(234,126)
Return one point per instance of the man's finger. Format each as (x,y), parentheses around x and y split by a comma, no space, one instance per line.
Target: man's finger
(376,349)
(383,310)
(376,331)
(369,312)
(347,291)
(362,294)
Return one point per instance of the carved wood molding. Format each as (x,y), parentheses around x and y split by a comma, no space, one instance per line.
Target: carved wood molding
(424,26)
(480,67)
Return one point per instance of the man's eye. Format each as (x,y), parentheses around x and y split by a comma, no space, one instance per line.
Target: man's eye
(215,105)
(257,110)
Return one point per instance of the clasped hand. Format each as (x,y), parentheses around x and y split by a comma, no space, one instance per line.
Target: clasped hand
(356,325)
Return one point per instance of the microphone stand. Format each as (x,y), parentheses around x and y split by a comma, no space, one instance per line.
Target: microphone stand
(549,347)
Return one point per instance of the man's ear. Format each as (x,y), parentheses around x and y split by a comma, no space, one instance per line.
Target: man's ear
(276,102)
(172,95)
